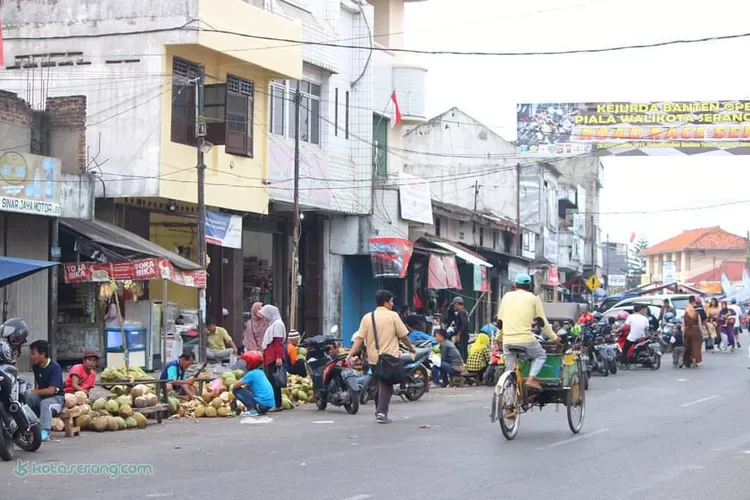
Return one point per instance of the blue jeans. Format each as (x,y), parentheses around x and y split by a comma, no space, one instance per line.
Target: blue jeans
(442,373)
(247,398)
(44,407)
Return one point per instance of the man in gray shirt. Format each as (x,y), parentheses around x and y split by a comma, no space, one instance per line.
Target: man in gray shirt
(451,362)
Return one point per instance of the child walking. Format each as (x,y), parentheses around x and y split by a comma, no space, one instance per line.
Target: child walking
(678,348)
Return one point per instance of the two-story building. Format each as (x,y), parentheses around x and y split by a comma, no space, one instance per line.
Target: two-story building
(155,75)
(693,253)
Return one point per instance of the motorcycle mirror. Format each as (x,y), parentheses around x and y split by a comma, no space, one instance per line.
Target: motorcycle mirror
(334,329)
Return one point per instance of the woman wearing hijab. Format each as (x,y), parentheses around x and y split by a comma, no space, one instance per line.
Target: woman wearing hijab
(692,335)
(727,320)
(255,329)
(273,348)
(479,355)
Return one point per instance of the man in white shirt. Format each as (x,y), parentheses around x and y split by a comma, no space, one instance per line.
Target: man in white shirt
(638,323)
(738,324)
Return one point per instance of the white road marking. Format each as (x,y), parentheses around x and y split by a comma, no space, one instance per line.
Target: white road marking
(358,497)
(160,495)
(572,440)
(682,380)
(702,400)
(322,421)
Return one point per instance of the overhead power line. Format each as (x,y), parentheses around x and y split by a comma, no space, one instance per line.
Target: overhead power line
(593,50)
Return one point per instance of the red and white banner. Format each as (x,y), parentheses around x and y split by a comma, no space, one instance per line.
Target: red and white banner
(137,270)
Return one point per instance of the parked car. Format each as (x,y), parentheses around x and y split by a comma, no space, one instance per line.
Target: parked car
(678,301)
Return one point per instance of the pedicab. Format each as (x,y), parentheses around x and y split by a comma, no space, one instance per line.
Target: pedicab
(561,380)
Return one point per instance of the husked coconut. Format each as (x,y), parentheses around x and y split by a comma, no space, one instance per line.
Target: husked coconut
(112,424)
(58,425)
(81,398)
(84,421)
(139,390)
(140,402)
(140,420)
(151,399)
(70,401)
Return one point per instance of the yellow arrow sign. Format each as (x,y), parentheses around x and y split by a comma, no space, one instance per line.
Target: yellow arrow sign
(593,283)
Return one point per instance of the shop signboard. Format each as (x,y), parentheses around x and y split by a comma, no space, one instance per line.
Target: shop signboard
(481,281)
(139,270)
(669,128)
(390,257)
(668,271)
(616,281)
(415,199)
(553,277)
(224,230)
(30,184)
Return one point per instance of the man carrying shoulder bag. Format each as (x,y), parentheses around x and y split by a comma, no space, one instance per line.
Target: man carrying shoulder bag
(381,331)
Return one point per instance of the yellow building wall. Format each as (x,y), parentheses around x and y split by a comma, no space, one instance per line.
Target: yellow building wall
(232,182)
(170,238)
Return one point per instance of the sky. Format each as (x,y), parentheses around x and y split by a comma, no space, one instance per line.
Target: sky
(653,197)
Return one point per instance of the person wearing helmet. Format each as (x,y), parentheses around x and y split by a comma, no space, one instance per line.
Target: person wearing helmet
(254,390)
(738,324)
(622,315)
(518,310)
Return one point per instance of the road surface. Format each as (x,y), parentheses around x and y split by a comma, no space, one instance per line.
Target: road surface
(671,434)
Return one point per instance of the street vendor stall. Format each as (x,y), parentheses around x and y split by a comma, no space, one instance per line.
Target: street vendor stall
(104,301)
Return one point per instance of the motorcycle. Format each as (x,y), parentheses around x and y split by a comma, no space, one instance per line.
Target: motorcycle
(667,330)
(646,352)
(496,367)
(334,381)
(602,357)
(415,383)
(18,422)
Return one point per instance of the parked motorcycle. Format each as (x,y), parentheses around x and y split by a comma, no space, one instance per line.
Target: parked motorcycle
(496,367)
(415,383)
(18,422)
(334,381)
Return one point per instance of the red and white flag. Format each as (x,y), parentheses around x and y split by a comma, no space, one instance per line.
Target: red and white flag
(632,237)
(396,110)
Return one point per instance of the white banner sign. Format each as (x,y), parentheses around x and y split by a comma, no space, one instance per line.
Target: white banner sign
(32,207)
(616,280)
(668,271)
(415,199)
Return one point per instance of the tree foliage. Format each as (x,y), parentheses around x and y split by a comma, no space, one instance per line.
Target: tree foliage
(637,264)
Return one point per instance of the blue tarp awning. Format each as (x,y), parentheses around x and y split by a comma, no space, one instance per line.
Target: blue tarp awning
(13,269)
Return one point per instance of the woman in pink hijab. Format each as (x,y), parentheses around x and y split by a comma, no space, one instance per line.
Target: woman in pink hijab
(255,329)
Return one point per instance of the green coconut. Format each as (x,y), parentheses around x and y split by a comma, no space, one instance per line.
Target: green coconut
(131,423)
(112,407)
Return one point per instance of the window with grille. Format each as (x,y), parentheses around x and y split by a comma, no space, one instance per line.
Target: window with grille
(184,77)
(228,111)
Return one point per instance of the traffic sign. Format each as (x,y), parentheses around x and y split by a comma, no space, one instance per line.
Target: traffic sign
(593,283)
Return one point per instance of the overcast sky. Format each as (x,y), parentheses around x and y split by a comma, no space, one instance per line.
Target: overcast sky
(488,88)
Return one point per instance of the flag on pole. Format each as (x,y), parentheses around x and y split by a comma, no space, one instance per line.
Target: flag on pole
(396,111)
(632,237)
(726,285)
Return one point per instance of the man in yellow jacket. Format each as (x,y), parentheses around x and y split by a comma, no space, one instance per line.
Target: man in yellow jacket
(519,309)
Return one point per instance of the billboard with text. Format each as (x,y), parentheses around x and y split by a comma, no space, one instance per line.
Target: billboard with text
(670,128)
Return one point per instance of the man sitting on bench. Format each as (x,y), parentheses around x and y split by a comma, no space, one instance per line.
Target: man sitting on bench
(451,362)
(219,344)
(47,394)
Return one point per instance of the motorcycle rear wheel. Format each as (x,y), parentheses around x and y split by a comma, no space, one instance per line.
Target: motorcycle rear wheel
(613,366)
(321,401)
(418,377)
(31,441)
(365,393)
(657,364)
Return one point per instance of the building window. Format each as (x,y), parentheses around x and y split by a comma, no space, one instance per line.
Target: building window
(380,145)
(184,76)
(228,111)
(495,238)
(336,113)
(437,226)
(282,92)
(346,117)
(481,236)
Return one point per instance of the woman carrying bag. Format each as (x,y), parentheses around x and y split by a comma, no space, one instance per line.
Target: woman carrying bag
(273,351)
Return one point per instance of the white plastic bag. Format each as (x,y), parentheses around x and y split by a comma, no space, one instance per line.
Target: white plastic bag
(435,359)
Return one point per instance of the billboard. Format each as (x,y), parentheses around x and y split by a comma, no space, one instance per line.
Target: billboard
(670,128)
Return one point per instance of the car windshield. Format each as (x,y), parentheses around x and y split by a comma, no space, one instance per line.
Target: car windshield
(608,303)
(679,303)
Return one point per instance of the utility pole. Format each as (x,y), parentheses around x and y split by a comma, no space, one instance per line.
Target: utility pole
(519,234)
(606,264)
(476,194)
(200,135)
(297,220)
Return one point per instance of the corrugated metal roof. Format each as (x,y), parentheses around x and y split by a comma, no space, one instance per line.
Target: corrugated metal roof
(109,235)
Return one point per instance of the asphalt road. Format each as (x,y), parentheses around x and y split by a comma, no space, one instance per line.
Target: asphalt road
(670,434)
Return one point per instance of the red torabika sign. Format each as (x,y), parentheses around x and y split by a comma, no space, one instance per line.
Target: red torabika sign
(137,270)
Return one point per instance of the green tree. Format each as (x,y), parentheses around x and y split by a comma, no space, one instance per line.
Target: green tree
(637,263)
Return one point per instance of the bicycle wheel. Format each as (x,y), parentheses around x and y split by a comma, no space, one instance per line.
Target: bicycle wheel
(510,419)
(576,404)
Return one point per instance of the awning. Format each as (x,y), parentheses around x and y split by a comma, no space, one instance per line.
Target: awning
(461,254)
(13,269)
(109,235)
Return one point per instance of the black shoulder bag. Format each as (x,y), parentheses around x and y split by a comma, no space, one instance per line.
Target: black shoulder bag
(389,369)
